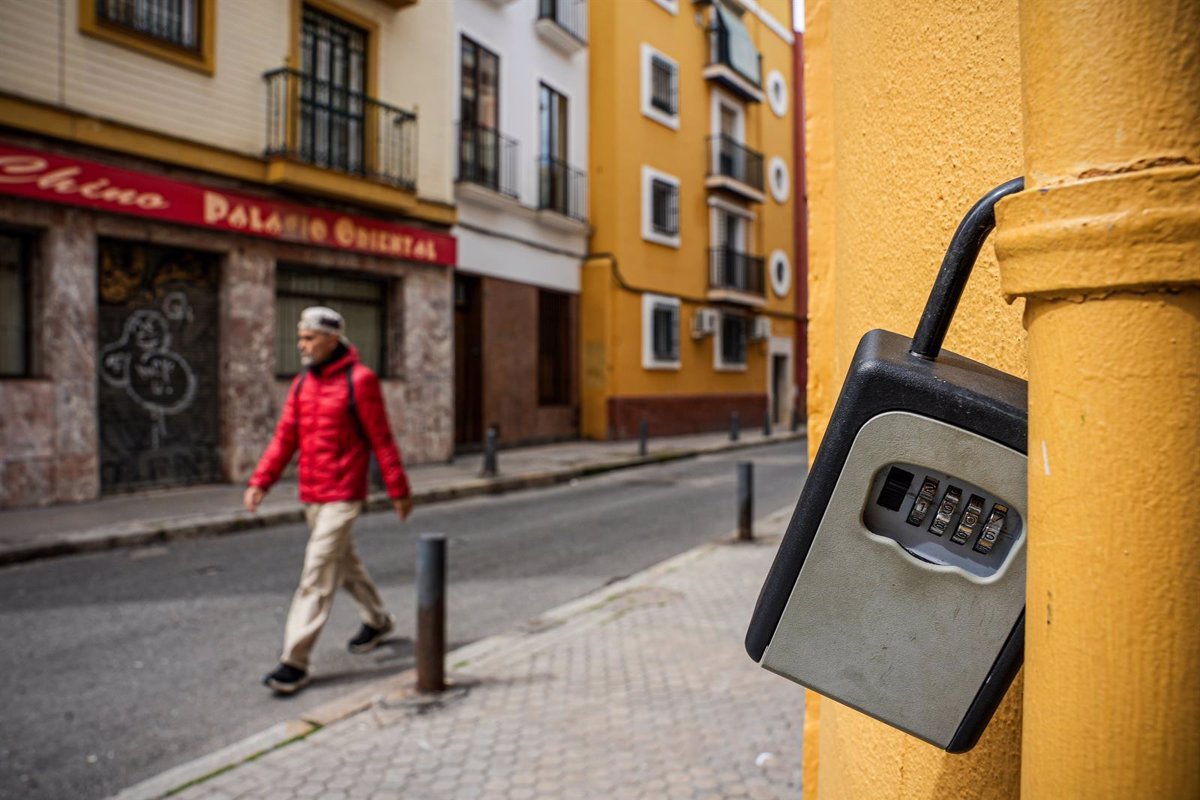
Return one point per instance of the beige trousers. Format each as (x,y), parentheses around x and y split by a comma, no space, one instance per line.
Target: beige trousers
(330,561)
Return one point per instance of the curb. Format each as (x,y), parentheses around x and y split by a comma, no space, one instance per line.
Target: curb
(550,626)
(144,532)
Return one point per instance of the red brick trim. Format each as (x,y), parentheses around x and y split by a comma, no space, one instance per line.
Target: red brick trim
(675,415)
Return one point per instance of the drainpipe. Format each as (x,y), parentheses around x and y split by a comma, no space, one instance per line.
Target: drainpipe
(1104,246)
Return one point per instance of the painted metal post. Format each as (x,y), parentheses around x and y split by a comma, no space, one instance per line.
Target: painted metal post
(795,420)
(767,421)
(643,435)
(745,500)
(431,612)
(735,425)
(489,453)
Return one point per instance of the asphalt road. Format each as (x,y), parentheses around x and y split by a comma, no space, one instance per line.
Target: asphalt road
(120,665)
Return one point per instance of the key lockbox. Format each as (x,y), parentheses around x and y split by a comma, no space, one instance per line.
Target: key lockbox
(899,587)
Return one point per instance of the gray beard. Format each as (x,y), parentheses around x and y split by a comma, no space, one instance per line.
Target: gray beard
(306,361)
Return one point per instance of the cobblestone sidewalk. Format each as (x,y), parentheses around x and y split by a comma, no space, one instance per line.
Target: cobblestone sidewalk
(641,690)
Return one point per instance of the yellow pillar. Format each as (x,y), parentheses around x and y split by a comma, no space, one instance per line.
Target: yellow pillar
(1105,248)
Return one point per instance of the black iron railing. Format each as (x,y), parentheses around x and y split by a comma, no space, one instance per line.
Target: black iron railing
(562,188)
(734,271)
(320,123)
(570,15)
(731,159)
(487,158)
(719,53)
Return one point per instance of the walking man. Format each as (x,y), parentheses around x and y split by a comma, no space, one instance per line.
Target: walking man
(335,417)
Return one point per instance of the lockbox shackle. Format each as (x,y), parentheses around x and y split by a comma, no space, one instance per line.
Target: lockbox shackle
(956,269)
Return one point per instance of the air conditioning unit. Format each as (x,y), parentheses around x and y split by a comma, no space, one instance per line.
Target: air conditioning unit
(761,329)
(704,323)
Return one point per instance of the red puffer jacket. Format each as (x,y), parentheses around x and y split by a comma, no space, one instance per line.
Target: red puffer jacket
(334,455)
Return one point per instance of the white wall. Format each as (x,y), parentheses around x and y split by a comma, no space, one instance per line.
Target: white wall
(526,61)
(228,108)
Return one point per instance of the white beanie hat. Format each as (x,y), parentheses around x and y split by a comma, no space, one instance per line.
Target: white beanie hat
(326,320)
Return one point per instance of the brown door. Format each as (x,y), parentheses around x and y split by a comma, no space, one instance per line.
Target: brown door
(157,367)
(468,361)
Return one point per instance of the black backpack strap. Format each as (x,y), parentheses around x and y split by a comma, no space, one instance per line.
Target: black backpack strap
(351,407)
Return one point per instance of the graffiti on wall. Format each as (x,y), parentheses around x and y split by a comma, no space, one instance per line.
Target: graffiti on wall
(157,366)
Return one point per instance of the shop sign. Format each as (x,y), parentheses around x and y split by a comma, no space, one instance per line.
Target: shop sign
(59,179)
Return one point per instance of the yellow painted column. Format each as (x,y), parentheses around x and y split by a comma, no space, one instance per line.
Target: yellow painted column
(1105,248)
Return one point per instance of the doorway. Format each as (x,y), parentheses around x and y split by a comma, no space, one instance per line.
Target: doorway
(468,360)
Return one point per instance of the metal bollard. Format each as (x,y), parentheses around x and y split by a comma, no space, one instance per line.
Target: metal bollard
(735,426)
(745,501)
(795,419)
(489,453)
(767,422)
(431,612)
(643,435)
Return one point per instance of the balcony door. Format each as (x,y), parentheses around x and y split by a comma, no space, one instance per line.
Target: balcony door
(732,241)
(479,116)
(552,142)
(333,63)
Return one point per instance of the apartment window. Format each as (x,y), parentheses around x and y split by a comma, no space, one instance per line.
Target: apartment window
(660,207)
(362,301)
(557,183)
(479,115)
(333,63)
(554,348)
(660,332)
(731,347)
(180,31)
(660,87)
(15,306)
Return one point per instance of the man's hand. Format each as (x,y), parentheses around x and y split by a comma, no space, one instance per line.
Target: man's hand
(252,498)
(403,506)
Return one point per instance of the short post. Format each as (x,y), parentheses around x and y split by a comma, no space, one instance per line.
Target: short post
(489,453)
(767,421)
(643,435)
(795,419)
(431,612)
(745,501)
(735,425)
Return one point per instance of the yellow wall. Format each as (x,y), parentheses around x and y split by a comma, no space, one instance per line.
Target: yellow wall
(914,111)
(623,140)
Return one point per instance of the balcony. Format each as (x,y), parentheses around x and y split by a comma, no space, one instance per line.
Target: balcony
(733,61)
(562,192)
(488,160)
(735,277)
(563,24)
(734,168)
(315,123)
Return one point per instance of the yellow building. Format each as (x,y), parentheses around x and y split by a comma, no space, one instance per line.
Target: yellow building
(688,309)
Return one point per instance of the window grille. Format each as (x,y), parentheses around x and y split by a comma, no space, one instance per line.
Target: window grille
(176,22)
(664,322)
(733,340)
(664,199)
(663,86)
(361,301)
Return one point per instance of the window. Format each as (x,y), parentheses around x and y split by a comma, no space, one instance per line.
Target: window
(660,207)
(731,342)
(479,115)
(333,63)
(174,30)
(362,301)
(14,307)
(660,87)
(554,348)
(660,332)
(555,176)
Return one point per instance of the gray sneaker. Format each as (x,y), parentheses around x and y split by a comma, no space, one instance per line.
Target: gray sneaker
(368,637)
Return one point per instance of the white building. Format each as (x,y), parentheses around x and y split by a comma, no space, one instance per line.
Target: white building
(521,154)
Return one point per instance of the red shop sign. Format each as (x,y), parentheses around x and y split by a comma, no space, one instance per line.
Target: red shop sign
(58,179)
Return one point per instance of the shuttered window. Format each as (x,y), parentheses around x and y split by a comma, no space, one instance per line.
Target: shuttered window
(14,306)
(361,300)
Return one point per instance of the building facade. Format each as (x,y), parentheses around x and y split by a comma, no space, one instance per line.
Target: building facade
(177,179)
(521,77)
(689,304)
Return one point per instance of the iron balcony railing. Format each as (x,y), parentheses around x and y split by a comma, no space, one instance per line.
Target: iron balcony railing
(320,123)
(562,188)
(487,158)
(733,271)
(570,15)
(731,159)
(719,53)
